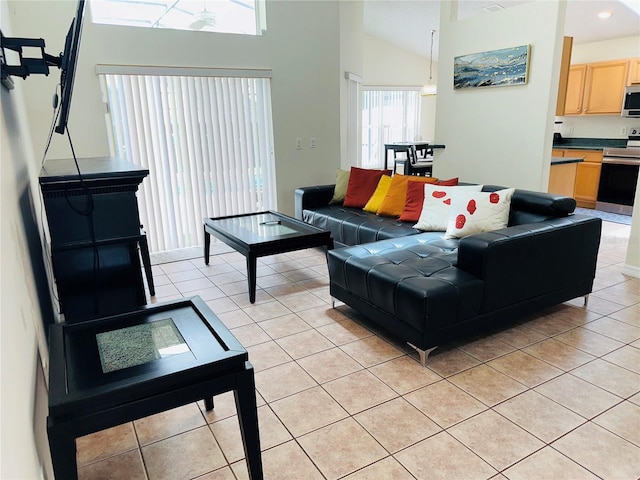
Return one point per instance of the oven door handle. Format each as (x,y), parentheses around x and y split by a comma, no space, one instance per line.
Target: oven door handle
(621,161)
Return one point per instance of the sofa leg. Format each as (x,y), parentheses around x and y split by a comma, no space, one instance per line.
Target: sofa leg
(333,302)
(423,354)
(586,300)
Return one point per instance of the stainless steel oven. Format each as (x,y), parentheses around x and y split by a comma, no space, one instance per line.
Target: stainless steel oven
(618,178)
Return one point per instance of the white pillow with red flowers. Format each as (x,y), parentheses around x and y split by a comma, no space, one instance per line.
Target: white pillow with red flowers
(435,207)
(472,213)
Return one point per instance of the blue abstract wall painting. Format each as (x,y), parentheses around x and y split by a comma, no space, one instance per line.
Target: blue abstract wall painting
(495,68)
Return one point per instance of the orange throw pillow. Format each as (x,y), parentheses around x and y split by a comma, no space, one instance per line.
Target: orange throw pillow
(362,184)
(452,182)
(393,203)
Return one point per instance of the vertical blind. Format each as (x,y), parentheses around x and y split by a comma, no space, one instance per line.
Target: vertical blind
(207,142)
(387,116)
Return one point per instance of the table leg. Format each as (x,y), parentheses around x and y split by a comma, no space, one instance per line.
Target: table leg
(245,396)
(251,273)
(62,446)
(207,245)
(146,261)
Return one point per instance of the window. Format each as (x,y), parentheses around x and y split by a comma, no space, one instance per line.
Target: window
(206,139)
(387,116)
(228,16)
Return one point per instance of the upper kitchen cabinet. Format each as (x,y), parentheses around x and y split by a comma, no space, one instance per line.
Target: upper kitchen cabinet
(634,72)
(596,88)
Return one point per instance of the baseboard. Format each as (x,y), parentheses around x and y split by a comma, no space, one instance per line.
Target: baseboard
(631,270)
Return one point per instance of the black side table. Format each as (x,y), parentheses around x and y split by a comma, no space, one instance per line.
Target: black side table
(113,370)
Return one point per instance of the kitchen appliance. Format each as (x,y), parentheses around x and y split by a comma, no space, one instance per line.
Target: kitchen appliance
(619,176)
(631,102)
(557,135)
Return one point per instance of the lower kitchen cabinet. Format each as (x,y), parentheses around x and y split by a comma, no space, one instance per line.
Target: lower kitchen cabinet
(562,179)
(587,180)
(587,176)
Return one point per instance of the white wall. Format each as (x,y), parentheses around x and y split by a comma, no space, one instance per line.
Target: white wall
(601,126)
(24,299)
(499,135)
(386,64)
(302,47)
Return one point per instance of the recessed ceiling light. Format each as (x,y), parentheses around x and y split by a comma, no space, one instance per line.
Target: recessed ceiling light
(604,15)
(493,8)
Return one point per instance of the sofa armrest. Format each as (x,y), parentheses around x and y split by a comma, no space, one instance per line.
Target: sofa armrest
(525,261)
(312,197)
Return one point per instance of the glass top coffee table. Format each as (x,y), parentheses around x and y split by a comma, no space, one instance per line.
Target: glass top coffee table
(261,234)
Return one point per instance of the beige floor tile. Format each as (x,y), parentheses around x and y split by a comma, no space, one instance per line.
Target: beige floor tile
(185,275)
(307,411)
(317,317)
(359,391)
(635,399)
(627,357)
(404,374)
(271,280)
(301,301)
(284,462)
(371,351)
(304,344)
(448,361)
(617,380)
(601,452)
(442,457)
(267,355)
(577,315)
(519,336)
(540,416)
(189,286)
(168,423)
(525,368)
(591,402)
(558,354)
(249,335)
(235,318)
(329,365)
(629,315)
(224,406)
(210,293)
(184,456)
(344,332)
(341,448)
(589,341)
(282,381)
(222,278)
(623,420)
(279,291)
(397,424)
(241,298)
(549,325)
(618,295)
(221,305)
(224,473)
(621,331)
(487,384)
(444,403)
(105,443)
(388,469)
(227,434)
(282,326)
(174,267)
(602,306)
(509,443)
(548,464)
(125,465)
(266,311)
(485,347)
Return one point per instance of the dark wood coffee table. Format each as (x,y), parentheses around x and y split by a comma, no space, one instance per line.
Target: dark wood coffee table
(261,234)
(113,370)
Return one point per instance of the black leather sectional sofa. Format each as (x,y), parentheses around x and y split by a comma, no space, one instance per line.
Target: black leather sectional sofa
(427,291)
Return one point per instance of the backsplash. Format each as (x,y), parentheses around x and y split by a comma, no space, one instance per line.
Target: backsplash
(596,126)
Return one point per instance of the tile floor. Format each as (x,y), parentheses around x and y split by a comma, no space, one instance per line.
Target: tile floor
(554,396)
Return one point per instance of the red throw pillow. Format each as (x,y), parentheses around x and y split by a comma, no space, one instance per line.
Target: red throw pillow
(362,184)
(452,182)
(413,202)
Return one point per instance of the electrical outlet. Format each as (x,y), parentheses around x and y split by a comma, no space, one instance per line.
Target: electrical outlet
(312,142)
(623,130)
(570,129)
(298,144)
(634,131)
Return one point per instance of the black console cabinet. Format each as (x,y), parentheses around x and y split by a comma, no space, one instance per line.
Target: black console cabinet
(95,232)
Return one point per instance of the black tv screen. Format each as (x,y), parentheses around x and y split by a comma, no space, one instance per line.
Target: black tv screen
(68,61)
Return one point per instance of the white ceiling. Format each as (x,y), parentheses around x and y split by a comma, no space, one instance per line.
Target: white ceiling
(407,23)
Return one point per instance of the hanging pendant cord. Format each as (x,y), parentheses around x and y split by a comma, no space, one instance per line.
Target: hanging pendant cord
(431,55)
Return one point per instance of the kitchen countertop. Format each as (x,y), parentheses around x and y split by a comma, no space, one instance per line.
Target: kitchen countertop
(590,143)
(564,160)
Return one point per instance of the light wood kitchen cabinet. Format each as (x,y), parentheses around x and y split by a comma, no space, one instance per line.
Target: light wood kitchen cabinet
(587,176)
(634,72)
(596,88)
(562,179)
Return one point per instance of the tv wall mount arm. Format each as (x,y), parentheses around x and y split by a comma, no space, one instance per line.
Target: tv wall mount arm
(28,65)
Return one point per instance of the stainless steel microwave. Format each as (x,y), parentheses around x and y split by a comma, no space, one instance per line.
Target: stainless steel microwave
(631,102)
